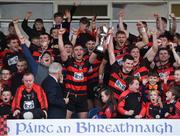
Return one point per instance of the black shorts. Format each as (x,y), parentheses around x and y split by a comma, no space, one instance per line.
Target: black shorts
(91,92)
(77,103)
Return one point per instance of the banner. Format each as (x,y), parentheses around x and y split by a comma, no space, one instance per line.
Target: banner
(94,127)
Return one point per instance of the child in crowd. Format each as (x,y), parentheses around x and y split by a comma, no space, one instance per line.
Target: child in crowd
(171,108)
(5,105)
(150,83)
(153,108)
(130,104)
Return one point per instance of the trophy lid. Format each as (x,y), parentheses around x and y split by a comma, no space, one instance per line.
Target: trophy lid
(103,30)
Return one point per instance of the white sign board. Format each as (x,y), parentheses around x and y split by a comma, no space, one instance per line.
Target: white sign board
(94,127)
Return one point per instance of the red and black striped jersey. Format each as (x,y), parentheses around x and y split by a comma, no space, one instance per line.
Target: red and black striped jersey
(165,69)
(117,80)
(93,72)
(141,70)
(120,53)
(76,76)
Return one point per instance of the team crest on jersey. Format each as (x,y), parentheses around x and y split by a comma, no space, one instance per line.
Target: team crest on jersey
(120,85)
(28,105)
(78,76)
(13,60)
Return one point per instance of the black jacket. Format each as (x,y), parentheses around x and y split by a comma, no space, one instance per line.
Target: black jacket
(54,93)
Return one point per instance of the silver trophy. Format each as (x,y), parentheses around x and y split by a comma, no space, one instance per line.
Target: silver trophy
(103,31)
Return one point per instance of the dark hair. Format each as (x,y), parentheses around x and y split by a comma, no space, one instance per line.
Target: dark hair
(91,38)
(12,37)
(68,42)
(164,48)
(77,44)
(46,34)
(6,68)
(22,59)
(111,102)
(6,88)
(163,36)
(107,91)
(38,20)
(58,14)
(164,19)
(120,32)
(85,20)
(35,37)
(167,35)
(177,35)
(11,24)
(178,68)
(176,91)
(131,47)
(130,80)
(53,28)
(153,73)
(127,57)
(144,23)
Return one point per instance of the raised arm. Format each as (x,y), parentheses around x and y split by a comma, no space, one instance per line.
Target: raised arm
(18,32)
(32,63)
(176,56)
(121,16)
(25,27)
(159,24)
(24,44)
(93,25)
(112,58)
(73,8)
(101,70)
(63,53)
(174,23)
(67,15)
(151,53)
(143,34)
